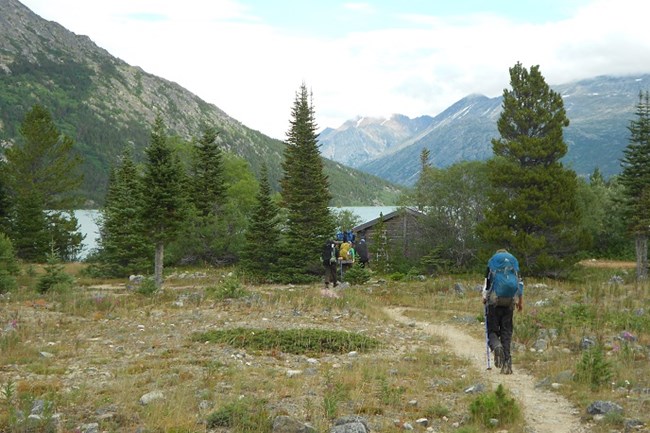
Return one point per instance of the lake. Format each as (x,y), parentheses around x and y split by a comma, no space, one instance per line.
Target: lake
(88,221)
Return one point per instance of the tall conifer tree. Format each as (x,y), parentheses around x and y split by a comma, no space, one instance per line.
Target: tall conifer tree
(164,194)
(262,248)
(42,174)
(207,177)
(635,179)
(123,246)
(533,209)
(305,193)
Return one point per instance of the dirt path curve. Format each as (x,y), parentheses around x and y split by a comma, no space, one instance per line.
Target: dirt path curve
(544,411)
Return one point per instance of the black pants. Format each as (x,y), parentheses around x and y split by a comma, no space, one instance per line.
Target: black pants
(499,325)
(330,273)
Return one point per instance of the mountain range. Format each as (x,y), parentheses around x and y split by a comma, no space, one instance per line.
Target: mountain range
(103,104)
(599,109)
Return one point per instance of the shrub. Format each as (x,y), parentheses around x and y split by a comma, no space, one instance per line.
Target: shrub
(495,405)
(593,369)
(242,416)
(147,287)
(357,275)
(297,341)
(230,288)
(55,277)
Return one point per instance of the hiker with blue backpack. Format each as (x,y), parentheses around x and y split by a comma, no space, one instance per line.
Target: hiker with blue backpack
(503,290)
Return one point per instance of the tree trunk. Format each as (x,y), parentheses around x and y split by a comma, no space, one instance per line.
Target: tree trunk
(158,264)
(641,241)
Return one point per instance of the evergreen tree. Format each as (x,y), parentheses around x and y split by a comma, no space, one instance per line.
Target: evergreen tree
(262,248)
(533,209)
(31,238)
(207,177)
(635,179)
(164,204)
(5,210)
(123,248)
(42,174)
(8,265)
(305,194)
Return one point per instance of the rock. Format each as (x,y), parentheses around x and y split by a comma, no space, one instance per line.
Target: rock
(294,373)
(350,424)
(459,289)
(602,407)
(90,428)
(540,345)
(616,280)
(633,425)
(587,343)
(38,407)
(286,424)
(565,376)
(150,397)
(544,383)
(475,389)
(353,427)
(424,422)
(136,279)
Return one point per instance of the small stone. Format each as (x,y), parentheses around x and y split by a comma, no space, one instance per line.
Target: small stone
(294,373)
(150,397)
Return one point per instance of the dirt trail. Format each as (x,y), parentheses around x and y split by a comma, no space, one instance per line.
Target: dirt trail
(544,411)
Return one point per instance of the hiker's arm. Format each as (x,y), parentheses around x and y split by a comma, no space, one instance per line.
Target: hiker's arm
(520,296)
(485,285)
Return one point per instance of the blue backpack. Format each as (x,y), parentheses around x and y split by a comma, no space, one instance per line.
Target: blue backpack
(504,275)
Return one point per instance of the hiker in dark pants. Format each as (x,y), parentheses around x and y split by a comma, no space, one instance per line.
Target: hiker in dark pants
(503,291)
(329,257)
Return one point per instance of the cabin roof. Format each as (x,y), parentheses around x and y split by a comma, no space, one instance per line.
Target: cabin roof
(387,217)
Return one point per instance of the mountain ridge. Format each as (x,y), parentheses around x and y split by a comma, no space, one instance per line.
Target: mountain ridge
(103,103)
(599,109)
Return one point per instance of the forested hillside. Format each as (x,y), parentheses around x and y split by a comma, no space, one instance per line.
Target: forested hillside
(103,104)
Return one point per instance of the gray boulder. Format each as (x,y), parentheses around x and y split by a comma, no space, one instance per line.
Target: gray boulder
(286,424)
(602,407)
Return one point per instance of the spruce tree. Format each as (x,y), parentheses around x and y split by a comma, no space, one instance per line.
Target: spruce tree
(207,177)
(635,179)
(123,247)
(8,265)
(164,204)
(42,174)
(262,248)
(533,211)
(305,193)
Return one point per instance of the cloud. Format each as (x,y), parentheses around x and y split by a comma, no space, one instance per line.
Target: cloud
(229,54)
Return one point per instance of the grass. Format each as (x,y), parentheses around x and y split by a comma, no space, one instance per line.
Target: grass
(220,349)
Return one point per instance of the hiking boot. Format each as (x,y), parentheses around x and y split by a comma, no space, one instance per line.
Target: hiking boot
(506,368)
(498,356)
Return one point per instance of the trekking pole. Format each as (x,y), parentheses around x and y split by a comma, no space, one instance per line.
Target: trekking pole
(487,338)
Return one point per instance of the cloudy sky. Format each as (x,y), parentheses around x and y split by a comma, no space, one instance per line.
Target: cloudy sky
(373,58)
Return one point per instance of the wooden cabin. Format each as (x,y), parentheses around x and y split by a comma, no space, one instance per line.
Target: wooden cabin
(399,229)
